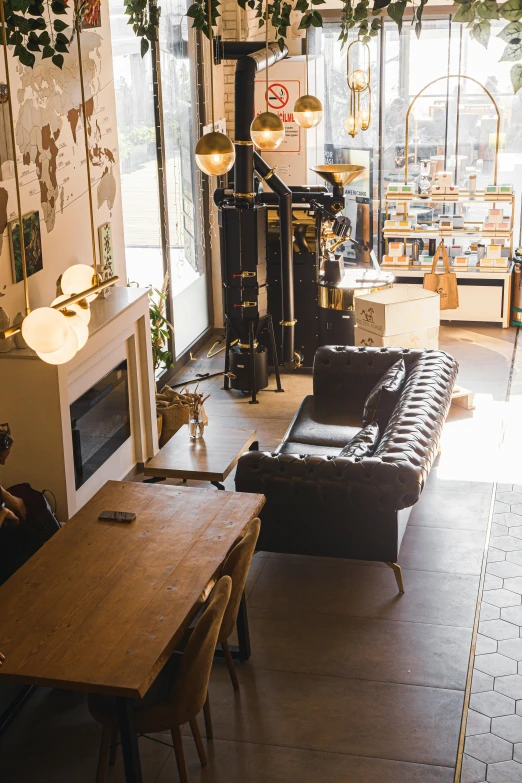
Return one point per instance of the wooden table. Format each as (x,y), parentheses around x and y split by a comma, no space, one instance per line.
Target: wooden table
(101,607)
(210,458)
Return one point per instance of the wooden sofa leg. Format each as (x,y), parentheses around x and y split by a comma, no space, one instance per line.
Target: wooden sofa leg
(397,570)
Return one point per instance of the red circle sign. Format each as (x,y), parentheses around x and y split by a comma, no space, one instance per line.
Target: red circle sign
(277,96)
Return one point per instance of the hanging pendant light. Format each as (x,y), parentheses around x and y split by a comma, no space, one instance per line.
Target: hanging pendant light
(267,130)
(215,153)
(76,320)
(66,352)
(45,330)
(358,80)
(308,110)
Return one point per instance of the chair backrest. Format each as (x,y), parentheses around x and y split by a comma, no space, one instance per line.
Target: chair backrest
(191,684)
(236,566)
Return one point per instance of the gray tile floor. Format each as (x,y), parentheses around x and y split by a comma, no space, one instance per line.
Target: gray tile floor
(348,681)
(493,746)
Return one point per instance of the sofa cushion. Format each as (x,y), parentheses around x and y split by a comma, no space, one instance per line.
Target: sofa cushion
(327,421)
(385,395)
(307,449)
(364,443)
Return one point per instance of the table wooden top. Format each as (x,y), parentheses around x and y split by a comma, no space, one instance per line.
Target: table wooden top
(102,605)
(210,458)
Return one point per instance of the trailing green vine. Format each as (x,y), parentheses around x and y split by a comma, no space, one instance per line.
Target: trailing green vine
(144,16)
(33,27)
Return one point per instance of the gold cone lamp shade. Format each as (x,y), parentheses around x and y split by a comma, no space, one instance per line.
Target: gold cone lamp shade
(308,111)
(215,154)
(338,173)
(267,131)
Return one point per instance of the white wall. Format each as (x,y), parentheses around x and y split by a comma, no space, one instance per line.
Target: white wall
(47,99)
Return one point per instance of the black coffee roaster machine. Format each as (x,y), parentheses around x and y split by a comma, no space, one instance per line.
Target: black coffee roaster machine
(285,291)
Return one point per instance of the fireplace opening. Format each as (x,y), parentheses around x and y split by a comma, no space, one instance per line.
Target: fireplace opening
(100,423)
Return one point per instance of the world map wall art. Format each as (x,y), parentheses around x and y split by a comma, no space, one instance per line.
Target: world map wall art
(32,244)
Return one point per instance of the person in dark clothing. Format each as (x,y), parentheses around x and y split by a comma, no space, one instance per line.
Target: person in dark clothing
(10,507)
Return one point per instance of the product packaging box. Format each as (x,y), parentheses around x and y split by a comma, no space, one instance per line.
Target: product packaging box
(445,225)
(396,248)
(397,310)
(494,251)
(460,261)
(416,338)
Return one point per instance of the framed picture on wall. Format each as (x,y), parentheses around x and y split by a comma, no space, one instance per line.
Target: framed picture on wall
(32,245)
(92,15)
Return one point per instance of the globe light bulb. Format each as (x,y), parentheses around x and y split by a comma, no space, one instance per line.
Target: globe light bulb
(81,309)
(215,154)
(79,278)
(66,353)
(308,111)
(45,330)
(352,125)
(267,131)
(75,321)
(358,80)
(364,117)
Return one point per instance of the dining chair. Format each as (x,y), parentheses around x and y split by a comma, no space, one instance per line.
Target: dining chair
(177,695)
(236,565)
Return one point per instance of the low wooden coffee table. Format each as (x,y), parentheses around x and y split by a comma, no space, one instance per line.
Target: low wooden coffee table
(210,458)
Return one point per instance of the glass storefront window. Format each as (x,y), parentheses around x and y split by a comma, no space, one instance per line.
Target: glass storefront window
(137,145)
(448,114)
(142,212)
(188,282)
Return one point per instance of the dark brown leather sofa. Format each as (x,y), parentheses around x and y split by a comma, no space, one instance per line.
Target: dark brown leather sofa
(321,504)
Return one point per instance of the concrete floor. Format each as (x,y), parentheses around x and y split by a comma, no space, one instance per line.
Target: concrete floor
(348,681)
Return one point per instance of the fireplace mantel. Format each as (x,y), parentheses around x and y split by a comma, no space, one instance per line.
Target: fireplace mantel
(35,399)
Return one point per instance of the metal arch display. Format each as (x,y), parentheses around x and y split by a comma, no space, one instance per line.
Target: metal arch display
(439,79)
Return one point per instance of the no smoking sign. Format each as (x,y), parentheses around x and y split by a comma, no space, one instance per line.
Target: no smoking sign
(278,96)
(282,96)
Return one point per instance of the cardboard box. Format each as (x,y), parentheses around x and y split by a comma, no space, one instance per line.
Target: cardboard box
(495,216)
(458,221)
(445,225)
(426,337)
(391,224)
(393,189)
(397,310)
(502,227)
(502,262)
(488,227)
(491,189)
(426,260)
(410,189)
(460,261)
(494,251)
(396,248)
(455,250)
(507,190)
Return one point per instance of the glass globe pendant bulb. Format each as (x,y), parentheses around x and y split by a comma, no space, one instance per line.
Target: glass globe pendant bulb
(66,353)
(83,312)
(352,125)
(78,278)
(308,111)
(358,80)
(267,131)
(45,330)
(75,321)
(364,117)
(215,154)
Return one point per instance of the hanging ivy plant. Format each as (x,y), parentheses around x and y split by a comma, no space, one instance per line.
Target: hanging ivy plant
(34,27)
(144,16)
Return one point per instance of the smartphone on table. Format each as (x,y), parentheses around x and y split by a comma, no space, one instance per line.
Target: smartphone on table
(117,516)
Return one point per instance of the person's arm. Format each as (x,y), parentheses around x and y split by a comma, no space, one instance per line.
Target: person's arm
(2,658)
(6,513)
(14,504)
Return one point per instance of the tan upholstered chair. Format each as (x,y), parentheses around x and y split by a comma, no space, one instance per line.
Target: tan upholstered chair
(179,692)
(236,565)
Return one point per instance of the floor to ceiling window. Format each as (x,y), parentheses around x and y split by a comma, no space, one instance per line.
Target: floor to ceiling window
(156,200)
(452,123)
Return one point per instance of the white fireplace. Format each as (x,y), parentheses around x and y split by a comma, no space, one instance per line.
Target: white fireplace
(106,394)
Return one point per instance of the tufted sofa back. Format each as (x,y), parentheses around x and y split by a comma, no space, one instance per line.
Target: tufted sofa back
(351,373)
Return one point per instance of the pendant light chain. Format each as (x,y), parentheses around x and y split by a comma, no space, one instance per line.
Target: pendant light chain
(266,51)
(306,52)
(211,42)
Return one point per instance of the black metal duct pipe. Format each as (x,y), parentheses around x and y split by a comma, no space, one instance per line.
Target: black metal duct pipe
(246,69)
(287,259)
